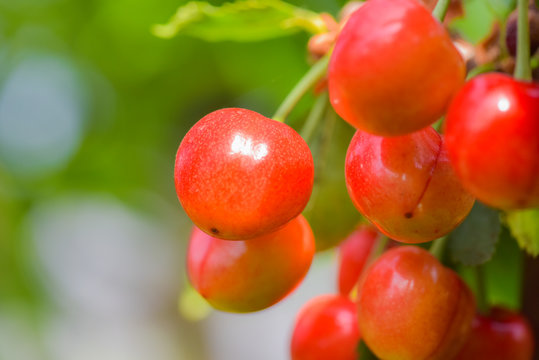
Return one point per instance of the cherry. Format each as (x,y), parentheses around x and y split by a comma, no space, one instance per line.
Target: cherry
(246,276)
(326,328)
(500,335)
(394,68)
(411,307)
(353,255)
(239,175)
(405,185)
(492,132)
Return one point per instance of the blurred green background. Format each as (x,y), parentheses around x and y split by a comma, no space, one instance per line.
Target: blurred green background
(92,110)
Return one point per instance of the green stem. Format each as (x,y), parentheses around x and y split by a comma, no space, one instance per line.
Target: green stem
(314,74)
(522,68)
(314,117)
(438,247)
(480,295)
(441,9)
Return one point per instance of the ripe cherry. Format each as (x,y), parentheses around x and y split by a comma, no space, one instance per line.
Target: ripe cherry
(500,335)
(394,68)
(326,328)
(492,132)
(353,255)
(411,307)
(405,185)
(239,175)
(251,275)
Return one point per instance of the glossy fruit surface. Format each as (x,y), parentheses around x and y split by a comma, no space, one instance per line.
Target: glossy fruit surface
(394,68)
(500,335)
(239,175)
(353,255)
(492,132)
(246,276)
(326,328)
(405,185)
(412,307)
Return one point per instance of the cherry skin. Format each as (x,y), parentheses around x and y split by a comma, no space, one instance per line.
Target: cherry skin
(251,275)
(240,175)
(405,185)
(411,307)
(353,255)
(500,335)
(326,328)
(492,132)
(381,75)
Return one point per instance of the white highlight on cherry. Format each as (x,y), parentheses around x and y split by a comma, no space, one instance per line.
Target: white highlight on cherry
(503,104)
(245,146)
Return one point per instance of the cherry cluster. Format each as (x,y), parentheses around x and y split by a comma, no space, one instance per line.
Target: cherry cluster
(245,179)
(409,306)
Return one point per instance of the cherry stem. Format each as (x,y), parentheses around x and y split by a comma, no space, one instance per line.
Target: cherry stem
(441,9)
(438,247)
(314,117)
(522,68)
(480,295)
(315,73)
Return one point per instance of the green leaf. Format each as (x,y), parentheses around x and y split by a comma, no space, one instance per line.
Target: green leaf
(501,8)
(243,20)
(364,353)
(477,23)
(503,273)
(330,210)
(474,241)
(524,226)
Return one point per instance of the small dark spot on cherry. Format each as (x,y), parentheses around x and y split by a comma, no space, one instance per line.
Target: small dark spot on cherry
(214,230)
(409,215)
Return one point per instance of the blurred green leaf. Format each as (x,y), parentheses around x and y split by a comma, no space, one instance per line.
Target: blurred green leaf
(192,306)
(364,353)
(477,23)
(501,8)
(524,226)
(244,20)
(503,273)
(330,210)
(474,241)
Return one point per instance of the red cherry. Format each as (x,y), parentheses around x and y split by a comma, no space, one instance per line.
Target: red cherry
(411,307)
(394,68)
(500,335)
(326,328)
(405,185)
(239,174)
(246,276)
(353,255)
(492,132)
